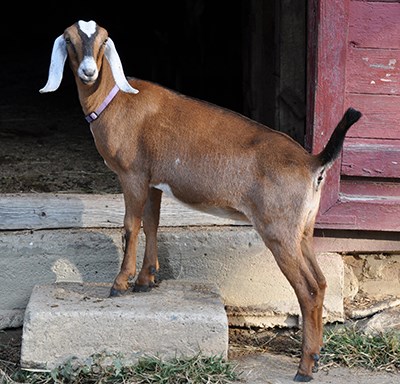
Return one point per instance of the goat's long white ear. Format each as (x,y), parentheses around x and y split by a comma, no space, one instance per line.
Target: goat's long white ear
(58,57)
(112,56)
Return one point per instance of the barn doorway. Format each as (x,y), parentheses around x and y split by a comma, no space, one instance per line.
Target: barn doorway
(245,55)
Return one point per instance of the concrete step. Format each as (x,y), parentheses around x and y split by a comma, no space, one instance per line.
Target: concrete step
(177,318)
(254,290)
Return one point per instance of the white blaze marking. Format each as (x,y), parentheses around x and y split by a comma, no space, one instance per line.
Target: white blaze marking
(87,27)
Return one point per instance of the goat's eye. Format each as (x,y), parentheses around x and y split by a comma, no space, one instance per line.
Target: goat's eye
(105,42)
(68,40)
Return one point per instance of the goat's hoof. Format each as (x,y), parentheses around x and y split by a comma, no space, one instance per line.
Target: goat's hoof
(145,287)
(302,378)
(316,361)
(116,292)
(142,288)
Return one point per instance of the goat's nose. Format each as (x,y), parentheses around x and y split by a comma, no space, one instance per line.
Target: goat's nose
(89,72)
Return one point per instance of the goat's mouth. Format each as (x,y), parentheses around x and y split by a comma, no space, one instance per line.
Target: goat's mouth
(88,81)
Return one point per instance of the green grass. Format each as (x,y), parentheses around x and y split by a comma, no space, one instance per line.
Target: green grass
(347,346)
(109,368)
(344,346)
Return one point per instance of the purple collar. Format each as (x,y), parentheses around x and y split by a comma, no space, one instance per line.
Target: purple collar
(94,115)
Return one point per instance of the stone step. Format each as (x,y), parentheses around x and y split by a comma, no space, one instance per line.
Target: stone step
(254,290)
(176,318)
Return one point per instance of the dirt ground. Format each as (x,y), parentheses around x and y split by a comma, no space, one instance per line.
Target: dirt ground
(272,356)
(46,146)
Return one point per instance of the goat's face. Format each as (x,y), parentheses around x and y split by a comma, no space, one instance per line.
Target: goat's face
(85,43)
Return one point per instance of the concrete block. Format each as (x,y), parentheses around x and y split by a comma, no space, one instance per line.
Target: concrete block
(29,258)
(177,318)
(255,291)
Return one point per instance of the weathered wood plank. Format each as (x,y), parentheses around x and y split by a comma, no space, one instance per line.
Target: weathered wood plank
(371,160)
(45,211)
(358,213)
(381,116)
(375,71)
(374,188)
(355,241)
(374,24)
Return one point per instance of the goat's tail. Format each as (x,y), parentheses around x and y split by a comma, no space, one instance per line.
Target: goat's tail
(331,152)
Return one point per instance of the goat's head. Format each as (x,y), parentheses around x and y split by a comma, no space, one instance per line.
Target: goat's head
(86,44)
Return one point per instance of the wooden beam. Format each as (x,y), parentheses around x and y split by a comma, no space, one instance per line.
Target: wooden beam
(356,241)
(57,211)
(47,211)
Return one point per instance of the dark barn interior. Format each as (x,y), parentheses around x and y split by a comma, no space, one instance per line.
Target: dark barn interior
(248,56)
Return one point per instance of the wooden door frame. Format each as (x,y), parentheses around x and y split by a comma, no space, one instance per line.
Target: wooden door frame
(327,39)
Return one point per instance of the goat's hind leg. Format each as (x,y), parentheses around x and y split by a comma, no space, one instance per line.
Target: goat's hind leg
(151,217)
(308,294)
(297,271)
(309,256)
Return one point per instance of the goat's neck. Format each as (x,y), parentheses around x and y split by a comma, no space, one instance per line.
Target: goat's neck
(91,96)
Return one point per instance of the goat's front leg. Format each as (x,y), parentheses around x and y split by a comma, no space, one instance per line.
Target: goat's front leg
(151,218)
(134,206)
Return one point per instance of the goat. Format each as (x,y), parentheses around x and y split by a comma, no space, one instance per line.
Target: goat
(208,157)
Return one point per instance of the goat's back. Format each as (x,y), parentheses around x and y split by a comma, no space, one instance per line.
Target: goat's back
(199,151)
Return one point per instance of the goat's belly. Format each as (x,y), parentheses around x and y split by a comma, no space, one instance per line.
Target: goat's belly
(223,212)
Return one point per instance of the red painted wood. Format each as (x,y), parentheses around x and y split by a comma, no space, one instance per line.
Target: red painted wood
(381,116)
(371,160)
(340,76)
(367,214)
(374,24)
(372,188)
(375,71)
(328,39)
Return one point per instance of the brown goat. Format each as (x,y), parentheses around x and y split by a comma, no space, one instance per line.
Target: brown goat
(208,157)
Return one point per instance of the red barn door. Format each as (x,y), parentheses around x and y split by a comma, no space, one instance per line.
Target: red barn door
(354,60)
